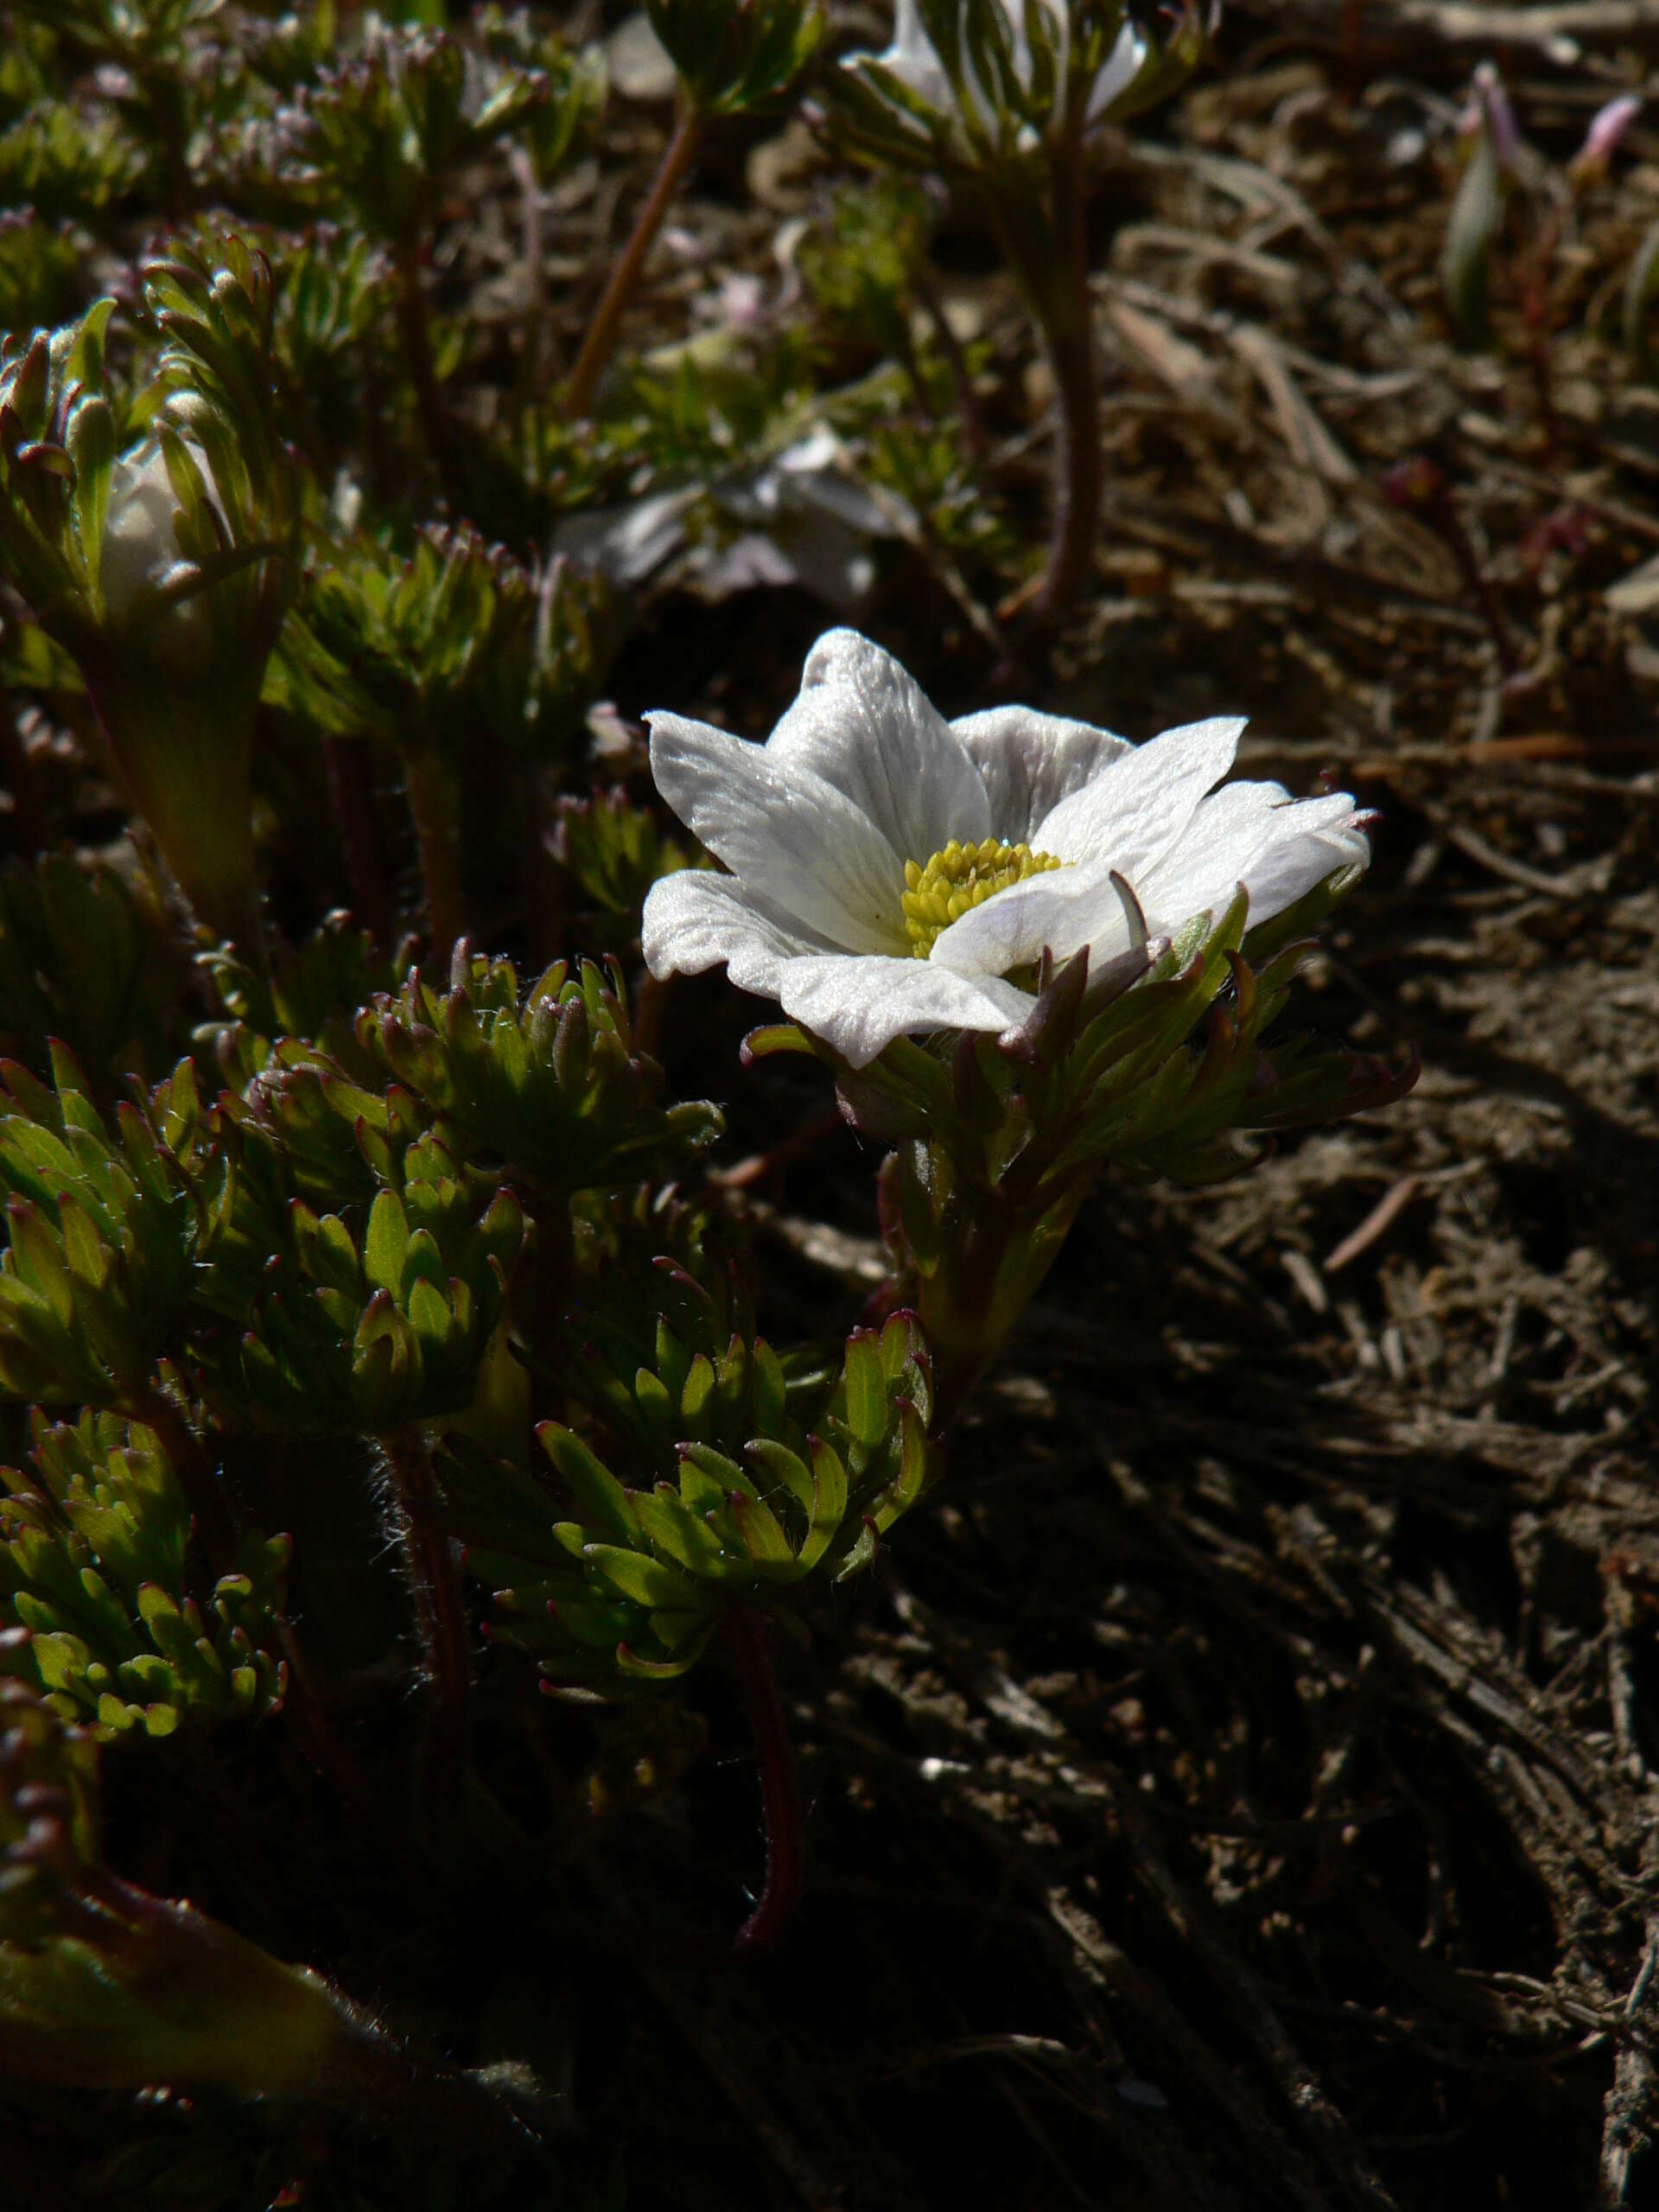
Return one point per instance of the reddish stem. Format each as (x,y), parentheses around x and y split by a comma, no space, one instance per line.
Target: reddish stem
(431,807)
(780,1797)
(1060,302)
(597,346)
(1072,350)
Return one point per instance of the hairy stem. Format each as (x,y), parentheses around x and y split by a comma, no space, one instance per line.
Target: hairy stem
(780,1797)
(598,346)
(431,807)
(439,1616)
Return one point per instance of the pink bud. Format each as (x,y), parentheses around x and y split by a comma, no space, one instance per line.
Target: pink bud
(1490,105)
(1603,138)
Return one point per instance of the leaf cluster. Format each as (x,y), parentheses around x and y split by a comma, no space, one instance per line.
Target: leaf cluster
(614,851)
(733,1488)
(93,1546)
(328,1249)
(97,1267)
(74,963)
(207,399)
(734,55)
(378,135)
(429,652)
(1156,1083)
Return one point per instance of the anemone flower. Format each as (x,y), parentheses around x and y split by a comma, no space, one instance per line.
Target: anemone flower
(892,874)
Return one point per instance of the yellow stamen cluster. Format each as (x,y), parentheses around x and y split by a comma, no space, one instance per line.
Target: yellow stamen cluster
(959,878)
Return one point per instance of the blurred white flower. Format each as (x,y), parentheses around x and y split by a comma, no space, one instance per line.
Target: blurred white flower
(915,61)
(893,873)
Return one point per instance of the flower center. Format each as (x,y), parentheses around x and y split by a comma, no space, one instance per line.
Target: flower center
(959,878)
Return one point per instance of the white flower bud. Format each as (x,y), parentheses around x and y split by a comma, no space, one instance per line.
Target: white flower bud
(140,551)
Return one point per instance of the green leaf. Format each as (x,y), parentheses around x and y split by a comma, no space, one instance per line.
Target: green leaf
(386,1245)
(865,1380)
(642,1581)
(594,1490)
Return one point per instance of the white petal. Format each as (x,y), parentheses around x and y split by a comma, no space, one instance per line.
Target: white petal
(1131,814)
(860,1005)
(1059,913)
(694,919)
(1029,762)
(1121,68)
(788,835)
(864,724)
(1254,834)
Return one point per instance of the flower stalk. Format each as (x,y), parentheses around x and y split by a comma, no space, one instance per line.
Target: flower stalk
(431,808)
(1004,98)
(1054,273)
(972,1256)
(601,340)
(185,754)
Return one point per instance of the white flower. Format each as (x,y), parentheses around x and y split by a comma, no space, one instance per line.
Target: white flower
(141,549)
(893,873)
(914,60)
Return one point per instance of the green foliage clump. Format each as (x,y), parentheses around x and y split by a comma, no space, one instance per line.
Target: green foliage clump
(97,1267)
(378,134)
(737,1483)
(431,653)
(362,1327)
(94,1559)
(549,1081)
(735,54)
(614,851)
(73,955)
